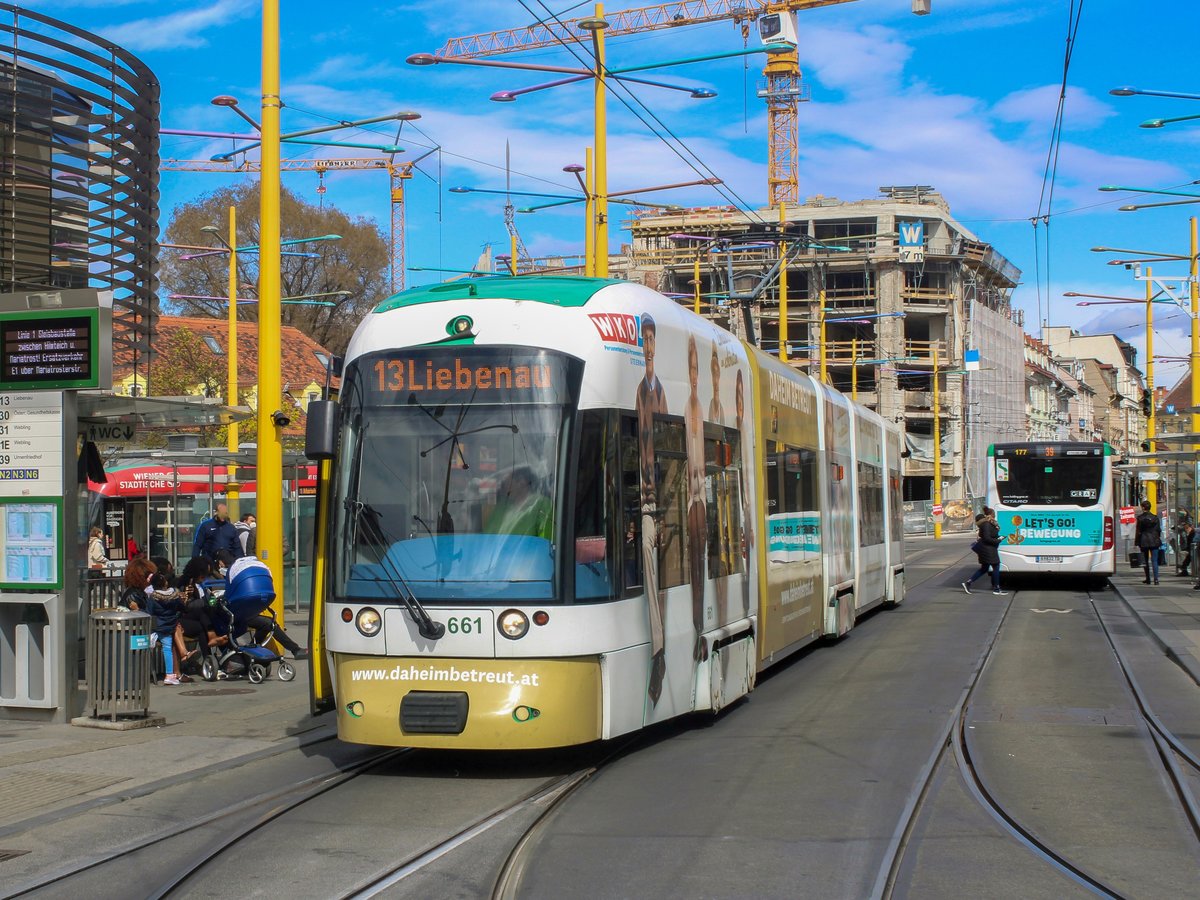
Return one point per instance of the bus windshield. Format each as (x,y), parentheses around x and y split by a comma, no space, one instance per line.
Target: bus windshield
(1042,481)
(447,476)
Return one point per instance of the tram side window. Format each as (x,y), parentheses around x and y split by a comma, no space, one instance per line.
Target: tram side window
(631,507)
(596,512)
(793,487)
(723,463)
(870,504)
(670,453)
(791,490)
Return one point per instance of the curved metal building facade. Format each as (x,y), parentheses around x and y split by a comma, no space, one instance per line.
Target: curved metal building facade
(78,169)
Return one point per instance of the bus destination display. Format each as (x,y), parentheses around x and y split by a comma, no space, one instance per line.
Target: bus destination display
(48,352)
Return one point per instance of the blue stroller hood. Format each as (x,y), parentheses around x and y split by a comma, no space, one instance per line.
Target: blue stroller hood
(250,589)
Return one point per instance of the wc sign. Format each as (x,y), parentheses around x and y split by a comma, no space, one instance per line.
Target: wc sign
(119,433)
(912,242)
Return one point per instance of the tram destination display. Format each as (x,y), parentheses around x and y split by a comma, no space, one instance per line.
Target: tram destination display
(49,349)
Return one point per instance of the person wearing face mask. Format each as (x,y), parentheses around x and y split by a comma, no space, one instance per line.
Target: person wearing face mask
(246,529)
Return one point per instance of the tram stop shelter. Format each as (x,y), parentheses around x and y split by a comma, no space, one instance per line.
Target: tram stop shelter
(44,603)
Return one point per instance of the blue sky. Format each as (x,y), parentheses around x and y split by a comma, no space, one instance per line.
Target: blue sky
(963,99)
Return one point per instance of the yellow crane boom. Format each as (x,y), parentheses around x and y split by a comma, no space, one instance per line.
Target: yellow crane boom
(783,90)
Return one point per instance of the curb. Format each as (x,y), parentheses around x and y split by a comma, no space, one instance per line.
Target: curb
(1178,649)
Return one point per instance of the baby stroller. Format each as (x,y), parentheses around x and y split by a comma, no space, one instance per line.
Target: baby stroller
(249,592)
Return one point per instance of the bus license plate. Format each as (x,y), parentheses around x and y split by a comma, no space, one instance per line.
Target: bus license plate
(1049,559)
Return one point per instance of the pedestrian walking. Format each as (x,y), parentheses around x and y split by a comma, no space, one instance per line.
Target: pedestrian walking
(987,550)
(1148,538)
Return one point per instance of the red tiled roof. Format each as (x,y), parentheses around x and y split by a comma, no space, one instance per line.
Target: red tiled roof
(299,368)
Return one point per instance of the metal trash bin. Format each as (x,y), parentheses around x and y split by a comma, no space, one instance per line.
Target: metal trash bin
(118,663)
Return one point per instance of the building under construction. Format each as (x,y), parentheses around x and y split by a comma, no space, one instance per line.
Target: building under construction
(890,300)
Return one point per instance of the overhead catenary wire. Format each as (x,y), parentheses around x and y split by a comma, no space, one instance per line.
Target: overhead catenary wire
(1050,170)
(675,144)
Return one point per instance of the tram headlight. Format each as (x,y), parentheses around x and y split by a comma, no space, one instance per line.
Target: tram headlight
(368,622)
(513,624)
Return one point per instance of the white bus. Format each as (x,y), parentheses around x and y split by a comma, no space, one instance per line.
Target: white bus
(1054,505)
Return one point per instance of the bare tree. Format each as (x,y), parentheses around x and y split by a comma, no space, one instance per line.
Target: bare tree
(356,264)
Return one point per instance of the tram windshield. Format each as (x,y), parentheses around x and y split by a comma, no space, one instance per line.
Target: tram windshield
(447,482)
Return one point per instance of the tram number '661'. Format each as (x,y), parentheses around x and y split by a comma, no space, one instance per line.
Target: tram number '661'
(464,625)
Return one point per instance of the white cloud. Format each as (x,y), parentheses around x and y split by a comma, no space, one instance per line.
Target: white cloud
(178,30)
(1037,106)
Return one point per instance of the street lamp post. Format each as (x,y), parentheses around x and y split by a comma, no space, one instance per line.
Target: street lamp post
(1193,302)
(231,387)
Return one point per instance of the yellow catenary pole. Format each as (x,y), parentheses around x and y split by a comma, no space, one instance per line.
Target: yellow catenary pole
(601,142)
(783,285)
(1153,492)
(269,476)
(937,444)
(231,388)
(696,281)
(589,235)
(821,338)
(854,369)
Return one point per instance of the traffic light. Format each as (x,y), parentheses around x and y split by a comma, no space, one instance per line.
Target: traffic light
(1145,446)
(1146,403)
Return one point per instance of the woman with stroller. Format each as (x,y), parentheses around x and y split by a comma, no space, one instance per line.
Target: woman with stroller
(263,626)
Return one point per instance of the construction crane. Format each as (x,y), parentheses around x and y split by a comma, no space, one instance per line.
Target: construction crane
(784,87)
(398,173)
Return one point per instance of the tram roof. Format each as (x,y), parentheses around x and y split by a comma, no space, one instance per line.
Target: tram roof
(556,290)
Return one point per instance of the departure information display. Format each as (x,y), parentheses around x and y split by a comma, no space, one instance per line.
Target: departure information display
(49,349)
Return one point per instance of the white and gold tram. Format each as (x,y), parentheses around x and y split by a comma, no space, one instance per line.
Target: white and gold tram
(556,510)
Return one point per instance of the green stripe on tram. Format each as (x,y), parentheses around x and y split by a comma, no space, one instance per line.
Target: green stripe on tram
(556,290)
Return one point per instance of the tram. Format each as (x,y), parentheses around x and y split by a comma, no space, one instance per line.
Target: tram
(1054,505)
(555,510)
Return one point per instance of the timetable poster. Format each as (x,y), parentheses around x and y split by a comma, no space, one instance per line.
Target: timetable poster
(29,554)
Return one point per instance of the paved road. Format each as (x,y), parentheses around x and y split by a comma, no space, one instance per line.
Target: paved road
(800,790)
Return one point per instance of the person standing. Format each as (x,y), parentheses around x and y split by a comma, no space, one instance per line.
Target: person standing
(1187,535)
(96,557)
(245,529)
(1148,538)
(217,534)
(988,551)
(651,401)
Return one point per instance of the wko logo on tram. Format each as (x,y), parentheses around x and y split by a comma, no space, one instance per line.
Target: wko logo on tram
(618,328)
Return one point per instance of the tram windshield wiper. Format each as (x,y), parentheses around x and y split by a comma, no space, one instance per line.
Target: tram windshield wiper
(367,517)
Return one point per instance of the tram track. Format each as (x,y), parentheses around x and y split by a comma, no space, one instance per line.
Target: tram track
(543,801)
(260,809)
(955,749)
